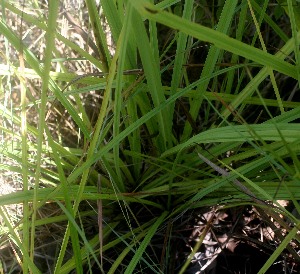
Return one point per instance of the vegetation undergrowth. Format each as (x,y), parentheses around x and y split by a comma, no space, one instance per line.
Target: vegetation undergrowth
(122,124)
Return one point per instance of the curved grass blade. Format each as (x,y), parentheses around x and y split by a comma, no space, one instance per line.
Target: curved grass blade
(139,253)
(220,40)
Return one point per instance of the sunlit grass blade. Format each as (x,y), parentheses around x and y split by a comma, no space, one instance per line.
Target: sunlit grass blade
(41,127)
(103,51)
(152,69)
(15,238)
(256,81)
(123,44)
(157,84)
(220,40)
(239,133)
(140,122)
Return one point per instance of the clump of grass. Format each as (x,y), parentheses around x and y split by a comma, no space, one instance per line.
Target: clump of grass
(112,167)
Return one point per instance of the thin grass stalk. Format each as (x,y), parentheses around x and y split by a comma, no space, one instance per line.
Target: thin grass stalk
(99,124)
(90,193)
(152,73)
(70,264)
(50,36)
(294,200)
(19,243)
(112,17)
(98,155)
(108,229)
(118,91)
(198,245)
(9,69)
(239,35)
(292,153)
(293,11)
(171,180)
(26,226)
(99,34)
(134,138)
(220,40)
(91,150)
(266,196)
(100,221)
(270,71)
(280,249)
(64,185)
(153,35)
(81,233)
(294,8)
(210,64)
(139,253)
(128,109)
(255,82)
(78,100)
(228,98)
(130,247)
(257,7)
(62,251)
(180,56)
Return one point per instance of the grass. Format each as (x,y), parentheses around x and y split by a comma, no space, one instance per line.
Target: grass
(108,170)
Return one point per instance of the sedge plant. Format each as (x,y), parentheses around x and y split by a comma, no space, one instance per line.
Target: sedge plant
(116,160)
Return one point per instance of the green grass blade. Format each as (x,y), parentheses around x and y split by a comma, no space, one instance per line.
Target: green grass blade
(152,69)
(270,22)
(97,156)
(292,234)
(255,82)
(267,132)
(294,13)
(32,267)
(210,63)
(113,19)
(50,36)
(139,253)
(181,55)
(220,40)
(99,34)
(123,42)
(83,237)
(63,181)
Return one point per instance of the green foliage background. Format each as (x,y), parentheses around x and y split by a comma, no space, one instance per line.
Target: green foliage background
(134,162)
